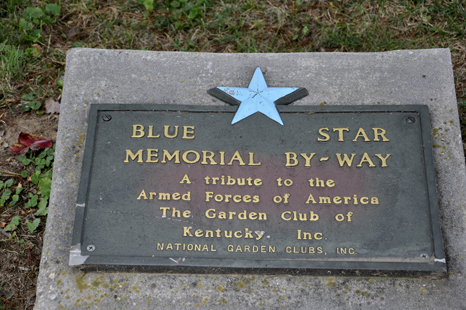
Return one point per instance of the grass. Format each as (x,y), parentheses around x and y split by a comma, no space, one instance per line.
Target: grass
(42,31)
(12,61)
(36,34)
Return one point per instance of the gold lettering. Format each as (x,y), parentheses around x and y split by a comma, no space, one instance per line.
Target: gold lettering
(186,231)
(164,196)
(138,131)
(251,160)
(150,155)
(383,159)
(222,158)
(237,157)
(307,158)
(166,130)
(185,179)
(381,134)
(310,198)
(166,156)
(142,194)
(323,134)
(242,215)
(188,132)
(283,215)
(210,157)
(340,133)
(366,159)
(260,234)
(186,160)
(150,135)
(291,159)
(345,159)
(361,133)
(133,156)
(323,200)
(209,215)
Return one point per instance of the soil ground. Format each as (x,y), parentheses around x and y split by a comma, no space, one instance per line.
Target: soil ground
(20,256)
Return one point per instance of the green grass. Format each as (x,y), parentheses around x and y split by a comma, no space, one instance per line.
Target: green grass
(44,30)
(12,62)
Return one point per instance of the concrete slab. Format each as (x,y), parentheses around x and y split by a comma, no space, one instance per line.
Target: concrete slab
(120,76)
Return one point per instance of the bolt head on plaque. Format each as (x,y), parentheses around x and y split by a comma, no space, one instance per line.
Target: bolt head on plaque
(258,97)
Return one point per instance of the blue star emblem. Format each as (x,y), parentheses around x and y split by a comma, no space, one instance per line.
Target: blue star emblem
(258,97)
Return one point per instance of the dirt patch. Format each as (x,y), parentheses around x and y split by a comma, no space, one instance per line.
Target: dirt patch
(11,124)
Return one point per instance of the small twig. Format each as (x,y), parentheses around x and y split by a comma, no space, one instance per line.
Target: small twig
(12,252)
(58,62)
(8,172)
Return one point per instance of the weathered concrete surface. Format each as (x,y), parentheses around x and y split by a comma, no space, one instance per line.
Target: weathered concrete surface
(109,76)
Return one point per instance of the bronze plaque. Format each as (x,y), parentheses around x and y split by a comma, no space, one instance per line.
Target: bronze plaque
(335,190)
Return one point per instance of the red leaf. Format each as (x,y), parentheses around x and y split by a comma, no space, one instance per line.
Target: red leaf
(17,148)
(41,144)
(27,141)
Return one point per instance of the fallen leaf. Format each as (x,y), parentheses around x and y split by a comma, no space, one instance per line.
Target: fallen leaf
(27,142)
(72,32)
(52,106)
(2,224)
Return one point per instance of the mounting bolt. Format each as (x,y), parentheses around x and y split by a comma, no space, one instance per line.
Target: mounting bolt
(424,256)
(410,120)
(91,248)
(107,118)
